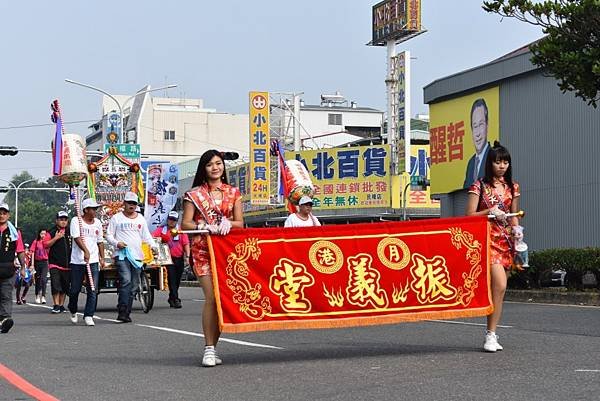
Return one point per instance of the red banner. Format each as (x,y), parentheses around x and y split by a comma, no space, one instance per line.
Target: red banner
(351,275)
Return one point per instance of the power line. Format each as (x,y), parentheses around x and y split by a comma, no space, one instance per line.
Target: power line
(47,125)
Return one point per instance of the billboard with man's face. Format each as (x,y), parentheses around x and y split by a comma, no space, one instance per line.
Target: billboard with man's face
(461,132)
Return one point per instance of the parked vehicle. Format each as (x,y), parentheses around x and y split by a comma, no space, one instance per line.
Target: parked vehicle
(558,278)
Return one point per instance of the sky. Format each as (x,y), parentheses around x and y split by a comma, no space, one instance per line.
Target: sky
(217,51)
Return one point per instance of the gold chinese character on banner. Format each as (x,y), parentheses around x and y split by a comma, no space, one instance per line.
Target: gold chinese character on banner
(288,281)
(363,283)
(393,253)
(326,257)
(431,279)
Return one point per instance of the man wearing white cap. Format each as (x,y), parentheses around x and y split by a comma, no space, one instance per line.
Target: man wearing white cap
(11,243)
(179,247)
(88,247)
(126,232)
(58,241)
(304,216)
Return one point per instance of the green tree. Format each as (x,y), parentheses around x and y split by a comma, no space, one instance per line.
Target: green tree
(570,51)
(37,209)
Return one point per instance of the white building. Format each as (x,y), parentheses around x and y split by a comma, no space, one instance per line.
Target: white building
(174,126)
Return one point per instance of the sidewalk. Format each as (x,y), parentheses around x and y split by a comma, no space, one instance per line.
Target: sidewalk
(544,296)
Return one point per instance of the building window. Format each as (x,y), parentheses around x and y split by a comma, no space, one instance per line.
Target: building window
(335,119)
(169,135)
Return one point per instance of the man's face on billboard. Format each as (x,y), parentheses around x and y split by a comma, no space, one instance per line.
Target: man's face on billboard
(479,128)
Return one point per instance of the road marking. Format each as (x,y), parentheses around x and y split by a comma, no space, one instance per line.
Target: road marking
(24,386)
(197,300)
(189,333)
(227,340)
(467,323)
(588,370)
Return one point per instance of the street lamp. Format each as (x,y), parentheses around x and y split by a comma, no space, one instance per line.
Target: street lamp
(116,101)
(16,188)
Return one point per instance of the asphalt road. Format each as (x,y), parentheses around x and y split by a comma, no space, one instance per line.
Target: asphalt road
(551,352)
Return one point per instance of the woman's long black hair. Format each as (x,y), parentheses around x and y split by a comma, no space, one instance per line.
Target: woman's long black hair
(498,153)
(201,177)
(39,232)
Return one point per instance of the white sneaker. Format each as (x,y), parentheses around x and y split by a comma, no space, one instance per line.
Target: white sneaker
(498,346)
(491,342)
(43,300)
(89,321)
(73,318)
(218,360)
(38,299)
(209,360)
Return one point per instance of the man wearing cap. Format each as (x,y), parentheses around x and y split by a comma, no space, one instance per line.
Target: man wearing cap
(179,247)
(58,241)
(126,232)
(88,248)
(304,216)
(11,243)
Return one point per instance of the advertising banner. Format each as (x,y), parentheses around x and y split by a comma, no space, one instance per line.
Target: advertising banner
(461,131)
(351,275)
(356,177)
(393,19)
(260,158)
(162,185)
(420,166)
(403,112)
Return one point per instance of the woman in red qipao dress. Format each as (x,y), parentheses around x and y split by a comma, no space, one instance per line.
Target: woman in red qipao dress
(497,194)
(214,205)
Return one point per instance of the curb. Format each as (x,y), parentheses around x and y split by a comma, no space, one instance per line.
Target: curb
(189,284)
(547,296)
(554,296)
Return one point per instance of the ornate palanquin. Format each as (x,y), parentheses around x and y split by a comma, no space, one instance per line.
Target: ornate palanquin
(351,275)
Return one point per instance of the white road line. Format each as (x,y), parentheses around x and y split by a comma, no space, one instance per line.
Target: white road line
(588,370)
(197,300)
(191,333)
(467,323)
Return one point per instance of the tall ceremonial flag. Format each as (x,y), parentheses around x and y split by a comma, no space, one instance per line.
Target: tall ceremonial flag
(57,148)
(351,275)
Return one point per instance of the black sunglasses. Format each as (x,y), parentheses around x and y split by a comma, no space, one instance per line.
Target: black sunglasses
(131,202)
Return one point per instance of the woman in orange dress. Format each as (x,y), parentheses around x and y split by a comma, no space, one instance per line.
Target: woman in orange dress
(497,194)
(216,206)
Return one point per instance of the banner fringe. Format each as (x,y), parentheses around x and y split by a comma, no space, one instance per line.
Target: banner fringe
(352,322)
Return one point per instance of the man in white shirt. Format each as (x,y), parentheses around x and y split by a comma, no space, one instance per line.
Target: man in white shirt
(304,216)
(88,247)
(126,232)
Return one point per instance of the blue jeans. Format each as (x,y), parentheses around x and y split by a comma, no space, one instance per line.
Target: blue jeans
(129,282)
(77,274)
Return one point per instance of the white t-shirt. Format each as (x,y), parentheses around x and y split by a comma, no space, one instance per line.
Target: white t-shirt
(130,231)
(92,236)
(294,220)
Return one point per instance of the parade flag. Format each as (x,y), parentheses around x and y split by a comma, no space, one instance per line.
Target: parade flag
(57,143)
(351,275)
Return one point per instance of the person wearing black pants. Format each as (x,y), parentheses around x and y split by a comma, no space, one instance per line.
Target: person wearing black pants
(174,273)
(11,243)
(40,261)
(179,247)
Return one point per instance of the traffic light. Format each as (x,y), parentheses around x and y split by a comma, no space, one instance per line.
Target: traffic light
(230,155)
(8,150)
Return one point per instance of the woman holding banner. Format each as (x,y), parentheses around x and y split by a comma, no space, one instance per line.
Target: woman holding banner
(496,194)
(213,205)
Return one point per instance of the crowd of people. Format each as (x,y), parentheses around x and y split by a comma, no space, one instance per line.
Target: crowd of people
(74,255)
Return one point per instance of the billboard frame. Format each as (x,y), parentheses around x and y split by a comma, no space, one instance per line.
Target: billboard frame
(408,13)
